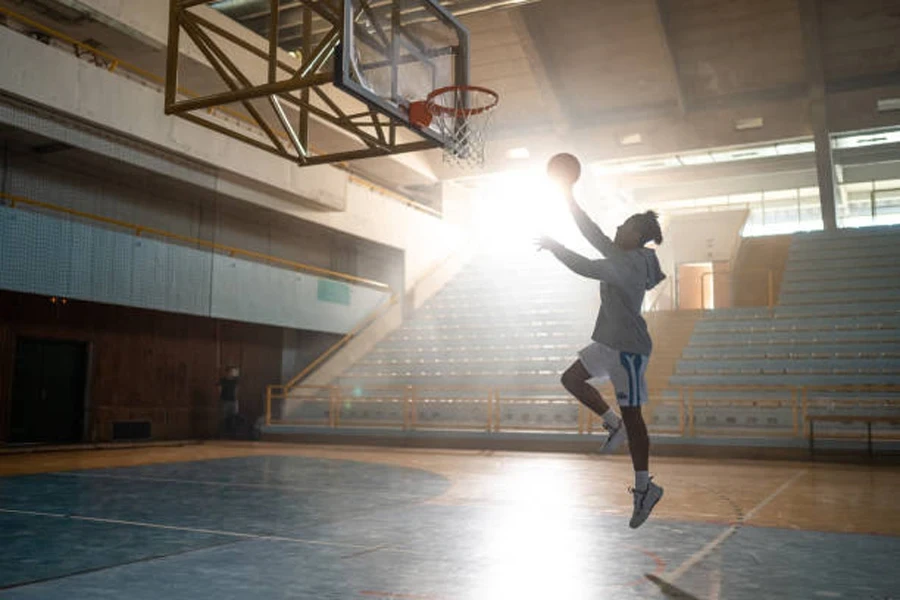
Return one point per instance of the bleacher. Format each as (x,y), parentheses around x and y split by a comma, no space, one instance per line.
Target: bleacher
(834,337)
(485,353)
(495,324)
(505,325)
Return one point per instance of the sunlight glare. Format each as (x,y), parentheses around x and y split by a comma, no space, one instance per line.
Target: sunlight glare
(534,546)
(516,207)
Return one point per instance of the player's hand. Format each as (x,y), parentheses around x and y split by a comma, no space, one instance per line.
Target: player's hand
(546,242)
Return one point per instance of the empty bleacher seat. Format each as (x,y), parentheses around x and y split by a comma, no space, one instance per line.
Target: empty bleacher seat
(837,320)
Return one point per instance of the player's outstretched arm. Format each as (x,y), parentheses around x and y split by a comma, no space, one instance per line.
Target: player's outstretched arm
(592,269)
(590,230)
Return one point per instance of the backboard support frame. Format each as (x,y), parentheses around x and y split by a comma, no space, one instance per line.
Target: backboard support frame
(316,90)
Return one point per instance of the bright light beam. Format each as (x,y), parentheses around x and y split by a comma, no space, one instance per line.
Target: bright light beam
(516,207)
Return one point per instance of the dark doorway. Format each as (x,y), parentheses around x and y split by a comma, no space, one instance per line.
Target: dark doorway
(48,391)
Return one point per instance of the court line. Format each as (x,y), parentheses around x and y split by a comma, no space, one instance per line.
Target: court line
(717,541)
(207,482)
(117,565)
(366,551)
(235,534)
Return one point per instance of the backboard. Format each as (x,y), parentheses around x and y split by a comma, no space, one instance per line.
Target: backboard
(394,52)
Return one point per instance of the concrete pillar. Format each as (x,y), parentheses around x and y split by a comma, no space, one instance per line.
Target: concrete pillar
(824,162)
(810,19)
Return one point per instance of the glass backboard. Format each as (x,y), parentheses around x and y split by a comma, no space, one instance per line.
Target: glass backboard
(395,52)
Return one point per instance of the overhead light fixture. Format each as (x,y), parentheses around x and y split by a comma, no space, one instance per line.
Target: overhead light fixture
(652,165)
(748,123)
(703,158)
(520,153)
(789,148)
(631,139)
(888,104)
(743,154)
(872,139)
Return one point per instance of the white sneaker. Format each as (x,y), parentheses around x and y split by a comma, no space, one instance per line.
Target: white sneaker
(614,439)
(644,501)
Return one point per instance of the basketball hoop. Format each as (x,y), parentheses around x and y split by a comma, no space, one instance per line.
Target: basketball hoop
(461,114)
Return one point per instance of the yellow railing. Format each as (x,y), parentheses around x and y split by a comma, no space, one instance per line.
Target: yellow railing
(139,230)
(400,407)
(114,63)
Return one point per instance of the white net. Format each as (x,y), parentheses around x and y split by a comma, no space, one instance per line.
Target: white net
(463,115)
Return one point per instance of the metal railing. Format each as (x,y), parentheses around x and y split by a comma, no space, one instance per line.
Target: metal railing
(140,230)
(402,407)
(667,286)
(115,64)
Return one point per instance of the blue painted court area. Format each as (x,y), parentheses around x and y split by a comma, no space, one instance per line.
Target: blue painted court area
(299,527)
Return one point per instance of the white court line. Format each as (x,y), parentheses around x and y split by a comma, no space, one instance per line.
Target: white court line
(32,513)
(207,482)
(712,545)
(236,534)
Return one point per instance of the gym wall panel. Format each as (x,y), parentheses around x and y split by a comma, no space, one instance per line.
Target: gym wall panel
(48,255)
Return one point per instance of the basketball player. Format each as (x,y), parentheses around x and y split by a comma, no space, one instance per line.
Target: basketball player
(621,343)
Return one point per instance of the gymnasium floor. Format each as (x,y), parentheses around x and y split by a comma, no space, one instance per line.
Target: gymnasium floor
(274,521)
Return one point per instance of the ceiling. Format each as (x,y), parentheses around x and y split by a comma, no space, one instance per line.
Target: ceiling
(614,79)
(680,73)
(585,75)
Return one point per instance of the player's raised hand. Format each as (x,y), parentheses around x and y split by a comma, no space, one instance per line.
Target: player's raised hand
(545,242)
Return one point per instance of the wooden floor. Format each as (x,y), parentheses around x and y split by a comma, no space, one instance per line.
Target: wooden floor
(849,498)
(709,506)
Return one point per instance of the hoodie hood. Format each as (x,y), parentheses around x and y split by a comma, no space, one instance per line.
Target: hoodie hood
(654,270)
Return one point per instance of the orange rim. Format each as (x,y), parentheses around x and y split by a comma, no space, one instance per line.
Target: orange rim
(437,109)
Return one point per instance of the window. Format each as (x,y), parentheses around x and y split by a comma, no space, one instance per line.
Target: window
(886,203)
(772,212)
(869,203)
(810,210)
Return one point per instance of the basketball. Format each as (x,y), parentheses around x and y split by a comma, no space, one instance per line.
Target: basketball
(564,168)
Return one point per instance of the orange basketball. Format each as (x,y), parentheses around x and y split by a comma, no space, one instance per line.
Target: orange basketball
(564,168)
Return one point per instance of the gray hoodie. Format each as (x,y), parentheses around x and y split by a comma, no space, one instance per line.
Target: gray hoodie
(624,276)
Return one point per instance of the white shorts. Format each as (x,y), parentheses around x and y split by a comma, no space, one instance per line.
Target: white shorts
(624,369)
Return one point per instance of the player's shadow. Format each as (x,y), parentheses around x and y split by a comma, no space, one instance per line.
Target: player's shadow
(670,590)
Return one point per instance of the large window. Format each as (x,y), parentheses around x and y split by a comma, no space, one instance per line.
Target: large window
(771,212)
(787,211)
(869,203)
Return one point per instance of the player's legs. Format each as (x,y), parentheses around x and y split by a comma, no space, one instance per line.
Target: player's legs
(638,440)
(575,380)
(632,395)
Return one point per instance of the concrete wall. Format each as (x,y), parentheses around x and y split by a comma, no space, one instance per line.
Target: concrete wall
(758,256)
(705,237)
(699,238)
(147,21)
